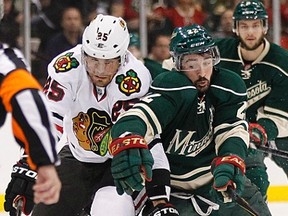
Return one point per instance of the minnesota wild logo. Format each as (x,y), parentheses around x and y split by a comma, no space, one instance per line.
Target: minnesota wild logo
(65,63)
(128,84)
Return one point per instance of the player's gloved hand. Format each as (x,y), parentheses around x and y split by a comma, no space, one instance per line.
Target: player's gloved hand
(131,164)
(20,186)
(227,171)
(162,209)
(257,133)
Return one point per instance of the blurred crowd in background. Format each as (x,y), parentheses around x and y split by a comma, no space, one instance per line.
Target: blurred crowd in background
(57,25)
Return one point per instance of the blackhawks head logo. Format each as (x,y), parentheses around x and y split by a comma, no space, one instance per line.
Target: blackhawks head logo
(128,84)
(92,130)
(65,63)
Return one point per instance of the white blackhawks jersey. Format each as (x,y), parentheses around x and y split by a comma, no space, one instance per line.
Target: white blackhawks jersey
(86,112)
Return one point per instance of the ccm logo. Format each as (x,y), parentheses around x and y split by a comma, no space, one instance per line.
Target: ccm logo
(25,171)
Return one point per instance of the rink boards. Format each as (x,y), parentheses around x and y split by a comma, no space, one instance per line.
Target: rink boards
(9,154)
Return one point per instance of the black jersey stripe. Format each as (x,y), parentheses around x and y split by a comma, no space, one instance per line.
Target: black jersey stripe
(56,115)
(10,53)
(1,75)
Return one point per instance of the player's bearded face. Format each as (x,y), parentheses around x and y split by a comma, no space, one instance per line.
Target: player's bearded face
(198,68)
(251,34)
(101,71)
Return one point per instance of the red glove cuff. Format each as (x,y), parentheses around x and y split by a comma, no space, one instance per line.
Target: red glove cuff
(127,142)
(256,140)
(231,159)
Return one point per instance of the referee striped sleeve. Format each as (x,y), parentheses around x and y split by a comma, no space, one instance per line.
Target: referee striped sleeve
(32,127)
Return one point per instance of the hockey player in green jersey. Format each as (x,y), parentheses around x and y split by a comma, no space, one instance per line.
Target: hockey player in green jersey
(263,67)
(199,110)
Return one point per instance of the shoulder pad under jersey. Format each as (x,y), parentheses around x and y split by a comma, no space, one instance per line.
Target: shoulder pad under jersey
(227,47)
(228,80)
(133,79)
(171,79)
(66,65)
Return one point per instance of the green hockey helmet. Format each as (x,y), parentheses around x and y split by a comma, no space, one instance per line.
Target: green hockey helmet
(250,10)
(193,39)
(134,40)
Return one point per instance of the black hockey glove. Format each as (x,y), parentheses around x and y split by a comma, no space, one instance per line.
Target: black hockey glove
(20,186)
(162,209)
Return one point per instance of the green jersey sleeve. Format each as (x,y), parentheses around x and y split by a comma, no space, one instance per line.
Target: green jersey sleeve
(169,96)
(228,93)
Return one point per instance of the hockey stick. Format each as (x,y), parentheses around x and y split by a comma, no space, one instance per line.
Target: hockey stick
(241,202)
(18,203)
(275,152)
(19,207)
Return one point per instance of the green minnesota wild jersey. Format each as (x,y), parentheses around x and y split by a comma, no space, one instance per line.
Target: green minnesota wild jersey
(194,127)
(266,79)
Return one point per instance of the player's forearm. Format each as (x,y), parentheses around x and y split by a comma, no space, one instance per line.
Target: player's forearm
(233,146)
(270,128)
(131,124)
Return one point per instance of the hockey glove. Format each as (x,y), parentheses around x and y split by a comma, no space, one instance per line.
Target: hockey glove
(20,187)
(162,209)
(257,133)
(131,164)
(227,171)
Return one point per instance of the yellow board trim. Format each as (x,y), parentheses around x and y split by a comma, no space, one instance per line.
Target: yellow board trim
(275,194)
(1,202)
(278,193)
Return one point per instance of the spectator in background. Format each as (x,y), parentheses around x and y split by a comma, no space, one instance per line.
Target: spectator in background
(224,29)
(45,21)
(284,37)
(70,36)
(184,13)
(117,8)
(158,51)
(10,24)
(131,14)
(45,16)
(284,20)
(216,10)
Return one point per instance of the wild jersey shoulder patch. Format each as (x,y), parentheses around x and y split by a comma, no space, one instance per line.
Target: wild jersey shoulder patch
(130,83)
(65,63)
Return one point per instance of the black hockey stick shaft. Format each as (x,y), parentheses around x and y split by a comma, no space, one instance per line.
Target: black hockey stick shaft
(275,152)
(241,202)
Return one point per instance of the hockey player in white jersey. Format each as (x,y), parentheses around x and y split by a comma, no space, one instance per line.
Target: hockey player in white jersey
(87,88)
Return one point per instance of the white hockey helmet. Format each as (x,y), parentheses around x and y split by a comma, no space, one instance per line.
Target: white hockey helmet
(106,37)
